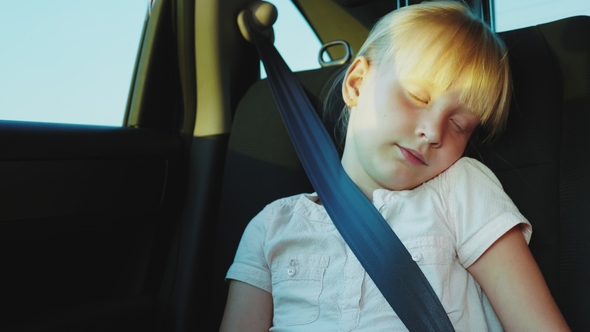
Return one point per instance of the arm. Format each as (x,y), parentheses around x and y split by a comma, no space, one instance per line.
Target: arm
(248,308)
(510,277)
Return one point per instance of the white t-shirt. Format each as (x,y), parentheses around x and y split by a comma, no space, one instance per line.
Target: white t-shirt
(293,250)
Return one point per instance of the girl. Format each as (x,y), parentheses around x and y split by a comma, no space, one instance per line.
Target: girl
(425,79)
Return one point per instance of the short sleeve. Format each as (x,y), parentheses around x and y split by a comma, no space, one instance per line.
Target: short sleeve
(480,210)
(250,265)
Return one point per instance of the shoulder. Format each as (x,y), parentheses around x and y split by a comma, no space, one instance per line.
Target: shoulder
(468,175)
(280,207)
(267,226)
(471,169)
(278,214)
(288,205)
(479,208)
(469,182)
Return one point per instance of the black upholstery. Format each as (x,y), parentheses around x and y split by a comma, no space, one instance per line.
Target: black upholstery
(541,159)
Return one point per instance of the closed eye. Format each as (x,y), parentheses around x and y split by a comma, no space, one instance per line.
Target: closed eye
(459,126)
(417,99)
(464,124)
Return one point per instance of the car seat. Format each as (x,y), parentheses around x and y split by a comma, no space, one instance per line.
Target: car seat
(541,159)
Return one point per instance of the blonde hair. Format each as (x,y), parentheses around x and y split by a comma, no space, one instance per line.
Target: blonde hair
(440,41)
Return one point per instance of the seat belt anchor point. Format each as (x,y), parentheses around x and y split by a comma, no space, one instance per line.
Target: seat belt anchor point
(259,16)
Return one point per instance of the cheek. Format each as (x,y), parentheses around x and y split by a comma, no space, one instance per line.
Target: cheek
(395,110)
(456,146)
(361,121)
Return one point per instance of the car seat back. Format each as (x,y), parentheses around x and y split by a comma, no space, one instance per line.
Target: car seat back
(541,159)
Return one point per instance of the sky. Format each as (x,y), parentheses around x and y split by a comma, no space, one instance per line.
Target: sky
(71,61)
(68,60)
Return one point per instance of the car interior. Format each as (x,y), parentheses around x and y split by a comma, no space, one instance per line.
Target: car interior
(133,228)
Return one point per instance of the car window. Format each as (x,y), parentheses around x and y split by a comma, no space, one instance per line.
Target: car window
(294,39)
(68,61)
(510,14)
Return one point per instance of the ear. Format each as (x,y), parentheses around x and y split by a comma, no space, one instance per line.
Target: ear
(351,86)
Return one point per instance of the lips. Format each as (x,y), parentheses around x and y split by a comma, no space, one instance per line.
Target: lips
(412,156)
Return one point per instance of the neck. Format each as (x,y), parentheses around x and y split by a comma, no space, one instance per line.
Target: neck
(358,176)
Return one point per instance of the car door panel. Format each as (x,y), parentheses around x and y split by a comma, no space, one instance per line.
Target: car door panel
(86,217)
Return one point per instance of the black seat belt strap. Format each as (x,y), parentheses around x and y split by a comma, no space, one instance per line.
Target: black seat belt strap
(368,235)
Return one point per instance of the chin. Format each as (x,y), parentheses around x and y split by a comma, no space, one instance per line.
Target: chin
(402,186)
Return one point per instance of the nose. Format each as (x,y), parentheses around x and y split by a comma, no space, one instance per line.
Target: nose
(431,128)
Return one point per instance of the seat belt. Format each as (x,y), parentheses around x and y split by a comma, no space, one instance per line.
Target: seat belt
(365,231)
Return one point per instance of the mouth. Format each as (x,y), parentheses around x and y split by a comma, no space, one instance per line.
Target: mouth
(412,156)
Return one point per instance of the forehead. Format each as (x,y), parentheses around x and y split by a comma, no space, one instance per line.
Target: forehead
(433,85)
(431,66)
(425,75)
